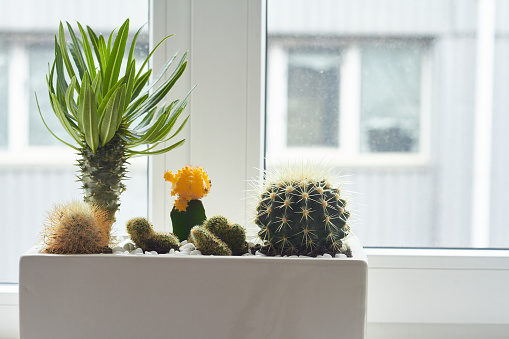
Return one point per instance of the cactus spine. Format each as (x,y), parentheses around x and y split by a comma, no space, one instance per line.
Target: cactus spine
(76,228)
(301,212)
(143,235)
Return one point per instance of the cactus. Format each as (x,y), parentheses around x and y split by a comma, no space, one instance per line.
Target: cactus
(76,228)
(190,184)
(301,212)
(207,242)
(232,235)
(143,235)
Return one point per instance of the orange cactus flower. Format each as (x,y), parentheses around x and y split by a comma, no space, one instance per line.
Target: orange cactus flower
(190,183)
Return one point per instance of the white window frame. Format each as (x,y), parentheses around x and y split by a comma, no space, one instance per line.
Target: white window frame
(347,154)
(411,293)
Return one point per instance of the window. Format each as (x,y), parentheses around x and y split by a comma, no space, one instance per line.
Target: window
(345,97)
(412,293)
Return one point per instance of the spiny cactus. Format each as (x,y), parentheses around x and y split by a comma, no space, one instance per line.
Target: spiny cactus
(189,184)
(233,235)
(207,242)
(76,228)
(301,212)
(143,235)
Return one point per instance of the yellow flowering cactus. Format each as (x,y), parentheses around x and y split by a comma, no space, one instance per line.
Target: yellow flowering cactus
(189,184)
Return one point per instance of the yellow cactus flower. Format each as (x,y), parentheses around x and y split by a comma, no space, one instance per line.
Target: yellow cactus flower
(190,183)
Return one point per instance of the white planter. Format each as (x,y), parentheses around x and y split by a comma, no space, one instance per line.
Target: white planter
(108,296)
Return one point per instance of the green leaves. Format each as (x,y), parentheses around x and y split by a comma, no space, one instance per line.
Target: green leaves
(100,103)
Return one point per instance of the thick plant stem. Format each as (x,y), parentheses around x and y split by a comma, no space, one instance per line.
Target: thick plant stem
(183,221)
(102,174)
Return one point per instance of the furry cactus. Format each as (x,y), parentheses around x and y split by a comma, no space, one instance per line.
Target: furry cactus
(207,242)
(143,235)
(76,228)
(232,235)
(300,211)
(219,237)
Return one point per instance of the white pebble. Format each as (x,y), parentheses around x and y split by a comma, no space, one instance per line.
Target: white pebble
(154,252)
(182,253)
(128,246)
(340,255)
(327,255)
(293,256)
(172,251)
(183,243)
(118,252)
(148,253)
(138,251)
(187,247)
(195,252)
(118,249)
(259,254)
(304,256)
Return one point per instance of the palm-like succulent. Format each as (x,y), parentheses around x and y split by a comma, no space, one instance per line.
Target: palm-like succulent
(108,115)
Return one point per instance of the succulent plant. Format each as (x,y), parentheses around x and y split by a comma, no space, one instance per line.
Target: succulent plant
(108,114)
(189,184)
(219,237)
(76,228)
(207,243)
(301,212)
(143,235)
(233,235)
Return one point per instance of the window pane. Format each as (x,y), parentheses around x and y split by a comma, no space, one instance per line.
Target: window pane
(421,133)
(390,96)
(37,171)
(4,102)
(313,87)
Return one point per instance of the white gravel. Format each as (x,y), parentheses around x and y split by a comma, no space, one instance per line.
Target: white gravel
(127,247)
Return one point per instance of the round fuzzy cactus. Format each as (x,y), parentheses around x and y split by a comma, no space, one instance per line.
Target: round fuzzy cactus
(76,228)
(232,235)
(301,212)
(143,235)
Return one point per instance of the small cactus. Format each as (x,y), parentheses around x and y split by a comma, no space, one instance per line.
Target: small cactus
(207,242)
(143,235)
(76,228)
(232,235)
(190,184)
(301,212)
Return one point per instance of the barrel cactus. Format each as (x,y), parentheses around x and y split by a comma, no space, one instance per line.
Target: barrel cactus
(301,212)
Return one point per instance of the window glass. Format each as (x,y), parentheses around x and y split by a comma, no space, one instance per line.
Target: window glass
(36,170)
(390,96)
(421,133)
(313,87)
(4,102)
(40,55)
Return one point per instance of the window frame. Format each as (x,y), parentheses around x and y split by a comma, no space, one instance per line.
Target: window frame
(448,269)
(396,307)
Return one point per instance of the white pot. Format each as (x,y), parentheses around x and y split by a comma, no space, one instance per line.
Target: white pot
(112,296)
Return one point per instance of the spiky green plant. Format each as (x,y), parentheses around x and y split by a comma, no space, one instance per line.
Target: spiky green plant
(207,242)
(300,211)
(109,115)
(233,235)
(143,235)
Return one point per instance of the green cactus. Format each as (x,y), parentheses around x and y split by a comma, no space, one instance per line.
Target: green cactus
(301,214)
(232,235)
(183,221)
(207,242)
(143,235)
